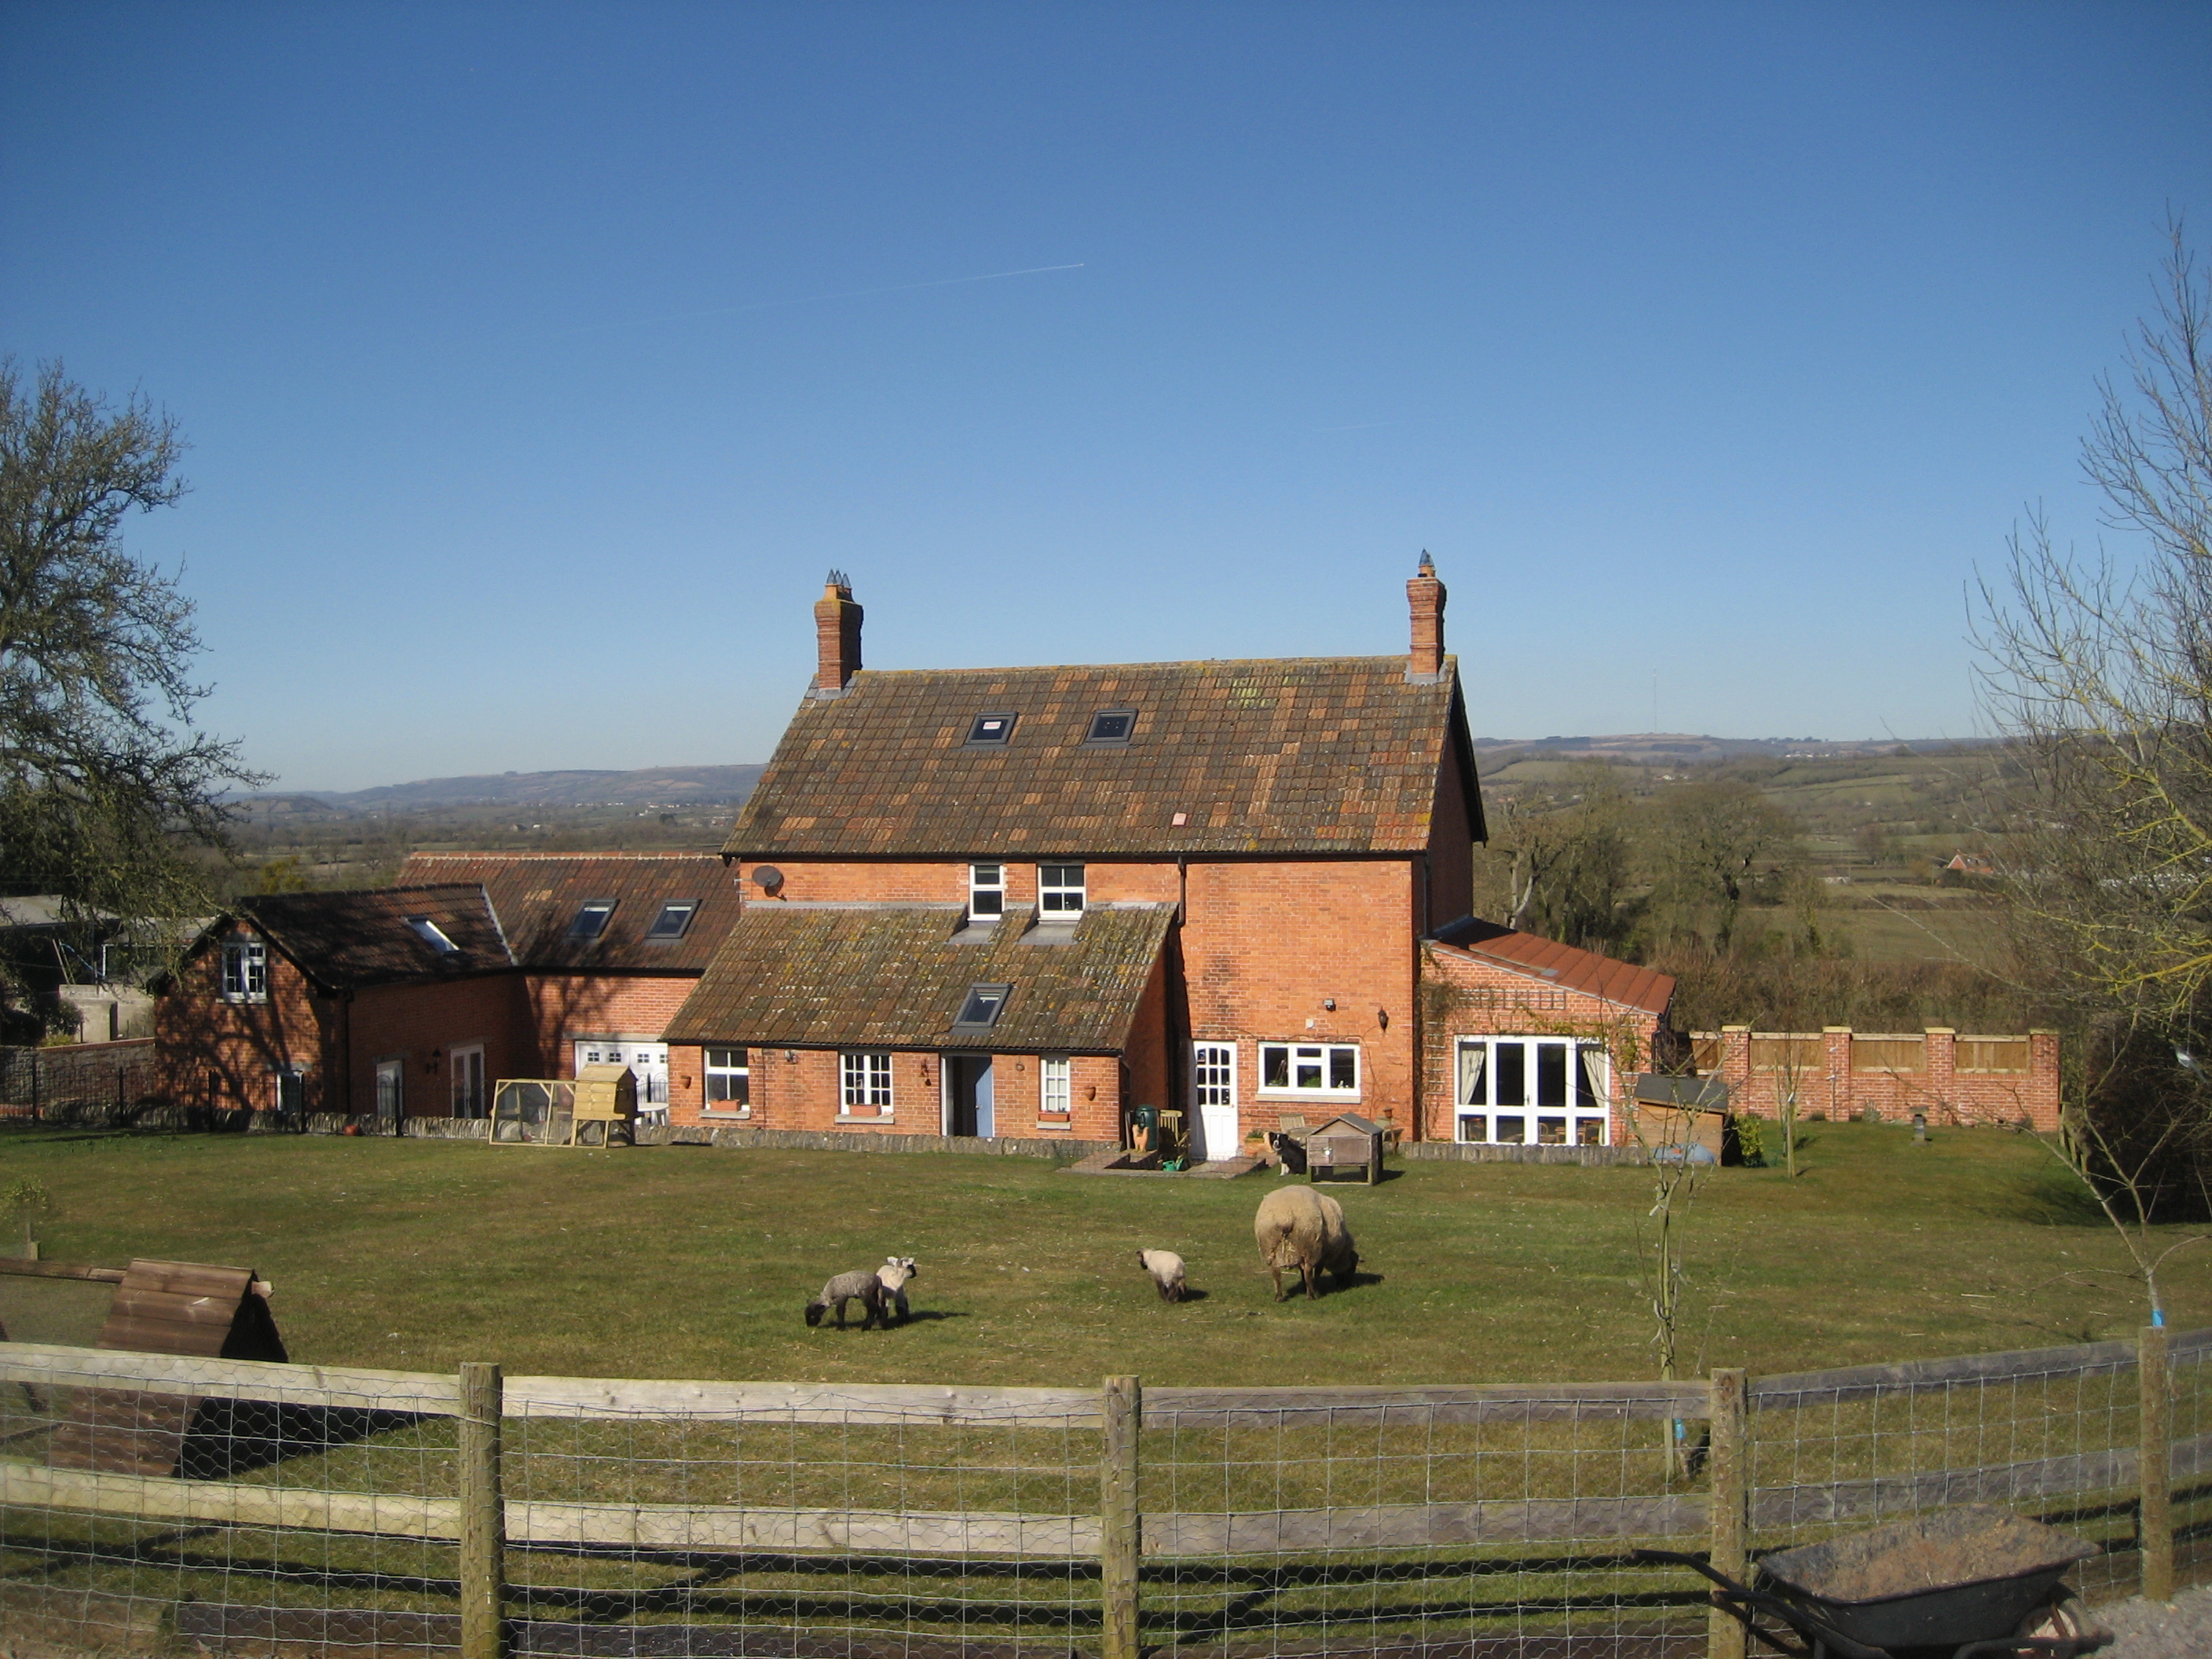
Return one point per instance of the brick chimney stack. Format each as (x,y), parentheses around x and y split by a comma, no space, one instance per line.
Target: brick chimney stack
(836,636)
(1424,664)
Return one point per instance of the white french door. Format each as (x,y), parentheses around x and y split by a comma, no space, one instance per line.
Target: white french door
(647,1062)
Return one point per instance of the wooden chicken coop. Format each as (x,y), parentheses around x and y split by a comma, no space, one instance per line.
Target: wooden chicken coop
(1348,1147)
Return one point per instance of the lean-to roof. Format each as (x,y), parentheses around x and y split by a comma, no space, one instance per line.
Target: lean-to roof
(894,977)
(1564,965)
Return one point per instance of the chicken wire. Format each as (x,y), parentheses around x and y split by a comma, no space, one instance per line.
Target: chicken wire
(821,1521)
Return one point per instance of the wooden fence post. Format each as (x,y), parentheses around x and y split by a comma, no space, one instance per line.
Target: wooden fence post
(2155,1465)
(1119,1523)
(1729,1502)
(483,1516)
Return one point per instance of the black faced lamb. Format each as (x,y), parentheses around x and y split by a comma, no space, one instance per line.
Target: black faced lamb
(862,1287)
(897,1273)
(1166,1269)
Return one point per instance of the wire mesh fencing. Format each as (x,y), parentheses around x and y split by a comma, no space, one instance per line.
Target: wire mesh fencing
(148,1499)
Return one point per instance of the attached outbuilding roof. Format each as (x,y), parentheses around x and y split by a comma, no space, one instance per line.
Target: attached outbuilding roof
(903,976)
(1315,754)
(349,941)
(1553,964)
(540,899)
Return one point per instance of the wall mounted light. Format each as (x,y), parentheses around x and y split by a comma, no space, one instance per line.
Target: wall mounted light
(791,1056)
(1383,1018)
(1329,1002)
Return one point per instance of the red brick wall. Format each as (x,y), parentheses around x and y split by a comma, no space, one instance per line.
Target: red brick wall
(421,1025)
(213,1053)
(1451,850)
(806,1091)
(1840,1073)
(560,1008)
(1467,996)
(1266,946)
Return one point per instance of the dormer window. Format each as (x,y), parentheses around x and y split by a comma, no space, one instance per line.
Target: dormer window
(433,935)
(1059,892)
(980,1010)
(990,731)
(592,918)
(1110,728)
(674,920)
(986,891)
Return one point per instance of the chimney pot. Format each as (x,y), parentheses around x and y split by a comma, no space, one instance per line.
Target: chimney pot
(1425,595)
(836,636)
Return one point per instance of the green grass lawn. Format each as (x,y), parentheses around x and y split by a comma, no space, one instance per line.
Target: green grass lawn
(696,1262)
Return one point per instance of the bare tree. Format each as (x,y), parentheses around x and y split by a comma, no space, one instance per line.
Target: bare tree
(104,788)
(2100,671)
(1561,859)
(1711,844)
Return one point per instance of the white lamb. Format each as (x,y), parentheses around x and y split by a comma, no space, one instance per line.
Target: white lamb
(1166,1269)
(897,1273)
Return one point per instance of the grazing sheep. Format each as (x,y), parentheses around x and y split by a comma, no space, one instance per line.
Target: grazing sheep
(863,1287)
(1300,1230)
(1166,1269)
(894,1275)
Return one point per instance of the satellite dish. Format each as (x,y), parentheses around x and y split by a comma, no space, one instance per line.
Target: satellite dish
(769,877)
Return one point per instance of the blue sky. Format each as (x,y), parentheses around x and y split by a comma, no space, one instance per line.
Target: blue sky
(539,361)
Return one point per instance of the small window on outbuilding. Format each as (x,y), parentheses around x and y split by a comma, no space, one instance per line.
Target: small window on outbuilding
(592,918)
(980,1012)
(1110,728)
(433,935)
(674,919)
(990,731)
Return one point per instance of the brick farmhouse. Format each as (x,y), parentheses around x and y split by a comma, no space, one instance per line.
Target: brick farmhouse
(1020,902)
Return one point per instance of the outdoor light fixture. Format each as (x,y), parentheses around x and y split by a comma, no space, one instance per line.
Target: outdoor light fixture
(1329,1002)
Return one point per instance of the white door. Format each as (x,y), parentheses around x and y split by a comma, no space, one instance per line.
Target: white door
(649,1064)
(468,1076)
(1213,1095)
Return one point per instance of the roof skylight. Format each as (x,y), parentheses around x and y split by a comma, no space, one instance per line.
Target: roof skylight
(592,918)
(1110,727)
(980,1012)
(990,731)
(433,935)
(674,919)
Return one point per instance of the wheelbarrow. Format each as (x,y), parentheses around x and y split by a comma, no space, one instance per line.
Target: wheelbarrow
(1963,1582)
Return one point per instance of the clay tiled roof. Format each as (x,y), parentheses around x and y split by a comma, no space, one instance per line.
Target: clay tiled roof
(894,976)
(346,941)
(537,896)
(1560,964)
(1318,755)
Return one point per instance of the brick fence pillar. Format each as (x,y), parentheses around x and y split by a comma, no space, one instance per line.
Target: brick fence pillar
(1836,1061)
(1941,1073)
(2041,1102)
(1735,1063)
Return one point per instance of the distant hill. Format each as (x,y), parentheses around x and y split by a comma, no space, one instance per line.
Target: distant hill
(1686,749)
(650,786)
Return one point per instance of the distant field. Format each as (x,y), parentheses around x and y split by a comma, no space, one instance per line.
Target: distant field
(696,1262)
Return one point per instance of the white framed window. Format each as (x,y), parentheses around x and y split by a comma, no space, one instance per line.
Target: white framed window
(986,891)
(468,1080)
(245,970)
(1059,892)
(1056,1085)
(867,1078)
(1328,1069)
(1533,1091)
(730,1082)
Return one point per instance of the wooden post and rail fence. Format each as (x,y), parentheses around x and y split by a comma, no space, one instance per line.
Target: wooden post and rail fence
(485,1522)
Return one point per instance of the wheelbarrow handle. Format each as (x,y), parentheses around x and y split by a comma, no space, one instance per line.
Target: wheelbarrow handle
(1808,1629)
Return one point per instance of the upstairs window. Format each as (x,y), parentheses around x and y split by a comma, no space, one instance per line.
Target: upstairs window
(433,935)
(980,1010)
(245,971)
(592,919)
(1311,1068)
(674,919)
(1060,891)
(990,731)
(1110,728)
(986,891)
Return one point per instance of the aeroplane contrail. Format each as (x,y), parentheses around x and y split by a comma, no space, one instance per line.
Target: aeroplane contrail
(818,299)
